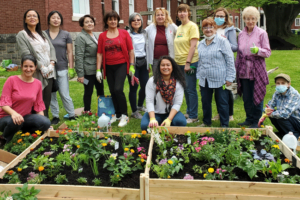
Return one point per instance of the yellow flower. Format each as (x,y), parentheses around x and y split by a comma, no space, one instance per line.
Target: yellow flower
(19,132)
(51,139)
(131,150)
(140,155)
(19,169)
(126,149)
(262,126)
(223,130)
(41,168)
(144,132)
(106,137)
(276,146)
(139,136)
(211,170)
(118,176)
(133,136)
(207,130)
(104,144)
(23,135)
(142,160)
(169,176)
(170,162)
(78,146)
(38,132)
(27,134)
(204,175)
(188,132)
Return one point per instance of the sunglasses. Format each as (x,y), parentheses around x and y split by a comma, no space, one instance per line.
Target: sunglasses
(162,8)
(136,20)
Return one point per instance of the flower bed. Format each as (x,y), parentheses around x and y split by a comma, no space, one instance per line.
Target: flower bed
(97,159)
(216,158)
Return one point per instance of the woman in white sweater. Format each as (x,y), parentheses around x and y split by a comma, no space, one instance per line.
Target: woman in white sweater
(164,95)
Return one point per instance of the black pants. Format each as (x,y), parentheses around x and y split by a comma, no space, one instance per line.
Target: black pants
(116,75)
(230,102)
(284,126)
(142,74)
(47,91)
(88,90)
(32,123)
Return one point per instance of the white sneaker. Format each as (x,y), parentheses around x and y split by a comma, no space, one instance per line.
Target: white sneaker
(186,116)
(142,108)
(124,120)
(190,120)
(114,119)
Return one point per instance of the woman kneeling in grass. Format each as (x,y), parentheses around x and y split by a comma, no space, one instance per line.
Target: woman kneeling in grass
(164,95)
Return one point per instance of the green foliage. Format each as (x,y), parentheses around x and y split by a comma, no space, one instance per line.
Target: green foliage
(41,160)
(25,193)
(255,134)
(82,180)
(97,181)
(61,179)
(169,168)
(277,167)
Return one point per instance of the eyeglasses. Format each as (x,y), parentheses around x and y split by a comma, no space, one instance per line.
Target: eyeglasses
(219,16)
(251,19)
(31,16)
(162,8)
(208,28)
(136,20)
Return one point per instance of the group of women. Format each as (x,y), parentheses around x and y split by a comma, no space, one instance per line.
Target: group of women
(176,57)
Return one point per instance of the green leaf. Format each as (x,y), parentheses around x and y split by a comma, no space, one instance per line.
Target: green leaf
(285,166)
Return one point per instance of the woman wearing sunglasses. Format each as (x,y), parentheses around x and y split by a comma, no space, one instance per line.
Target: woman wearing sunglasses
(161,34)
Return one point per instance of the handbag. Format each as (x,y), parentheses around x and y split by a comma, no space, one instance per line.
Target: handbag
(140,62)
(105,105)
(55,85)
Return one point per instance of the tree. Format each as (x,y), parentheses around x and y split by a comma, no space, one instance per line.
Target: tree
(280,14)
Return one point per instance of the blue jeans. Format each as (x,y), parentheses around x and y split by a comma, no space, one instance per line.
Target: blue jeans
(221,97)
(63,89)
(190,92)
(32,123)
(284,126)
(178,120)
(253,112)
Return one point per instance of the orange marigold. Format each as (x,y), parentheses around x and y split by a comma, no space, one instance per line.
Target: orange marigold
(41,168)
(19,140)
(70,130)
(10,172)
(27,134)
(287,160)
(144,132)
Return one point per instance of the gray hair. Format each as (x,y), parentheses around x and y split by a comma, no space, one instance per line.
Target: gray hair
(131,17)
(251,10)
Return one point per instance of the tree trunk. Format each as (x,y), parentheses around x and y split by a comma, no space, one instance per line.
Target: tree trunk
(280,17)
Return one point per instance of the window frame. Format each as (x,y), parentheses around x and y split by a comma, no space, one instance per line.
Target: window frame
(117,7)
(150,9)
(84,11)
(129,5)
(236,21)
(169,6)
(297,24)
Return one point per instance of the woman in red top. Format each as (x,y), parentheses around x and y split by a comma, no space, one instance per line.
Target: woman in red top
(22,95)
(115,55)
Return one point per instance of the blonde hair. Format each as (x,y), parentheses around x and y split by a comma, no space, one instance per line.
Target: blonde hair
(168,19)
(250,10)
(228,21)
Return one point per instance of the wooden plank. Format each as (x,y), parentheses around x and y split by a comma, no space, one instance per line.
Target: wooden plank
(149,158)
(100,134)
(147,188)
(78,192)
(142,186)
(6,157)
(22,155)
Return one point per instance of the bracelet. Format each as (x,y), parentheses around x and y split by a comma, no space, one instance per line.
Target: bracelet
(188,62)
(132,64)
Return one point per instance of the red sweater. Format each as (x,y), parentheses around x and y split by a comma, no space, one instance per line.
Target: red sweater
(126,45)
(22,96)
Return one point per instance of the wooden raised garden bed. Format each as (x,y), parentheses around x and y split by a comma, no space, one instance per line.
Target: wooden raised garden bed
(5,158)
(74,192)
(179,189)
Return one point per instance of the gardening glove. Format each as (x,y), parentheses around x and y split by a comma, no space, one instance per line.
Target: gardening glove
(192,71)
(150,68)
(71,73)
(134,80)
(99,75)
(45,71)
(50,68)
(153,122)
(166,122)
(254,49)
(131,70)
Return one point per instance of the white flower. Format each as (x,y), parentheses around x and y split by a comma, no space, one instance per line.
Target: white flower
(9,198)
(285,173)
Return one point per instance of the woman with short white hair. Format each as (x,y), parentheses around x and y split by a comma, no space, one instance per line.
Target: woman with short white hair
(251,73)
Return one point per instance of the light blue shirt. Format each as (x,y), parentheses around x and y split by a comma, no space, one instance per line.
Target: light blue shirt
(216,63)
(287,105)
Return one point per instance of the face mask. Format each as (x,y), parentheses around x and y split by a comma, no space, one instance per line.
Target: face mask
(219,21)
(281,88)
(209,38)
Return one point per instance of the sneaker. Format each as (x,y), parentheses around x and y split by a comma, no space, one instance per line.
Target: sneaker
(114,119)
(124,120)
(186,116)
(217,117)
(136,115)
(202,125)
(142,108)
(55,120)
(73,118)
(231,118)
(189,120)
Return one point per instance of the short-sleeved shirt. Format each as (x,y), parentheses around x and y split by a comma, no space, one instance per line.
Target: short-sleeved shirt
(60,44)
(160,44)
(182,40)
(139,44)
(113,50)
(22,96)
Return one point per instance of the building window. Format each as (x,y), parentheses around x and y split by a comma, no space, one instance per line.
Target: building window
(231,18)
(80,8)
(297,22)
(150,8)
(169,6)
(115,5)
(184,1)
(236,21)
(131,7)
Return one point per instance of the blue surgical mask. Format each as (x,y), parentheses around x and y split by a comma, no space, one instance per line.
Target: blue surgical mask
(219,21)
(281,88)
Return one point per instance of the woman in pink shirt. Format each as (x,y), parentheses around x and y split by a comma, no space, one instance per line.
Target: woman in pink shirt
(21,97)
(251,73)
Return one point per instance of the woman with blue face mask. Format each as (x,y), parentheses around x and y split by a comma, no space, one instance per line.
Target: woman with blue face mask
(226,29)
(284,107)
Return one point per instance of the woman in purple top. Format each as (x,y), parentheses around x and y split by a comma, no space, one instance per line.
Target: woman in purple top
(251,73)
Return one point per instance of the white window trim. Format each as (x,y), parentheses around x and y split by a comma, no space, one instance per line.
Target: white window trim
(117,8)
(184,1)
(132,6)
(169,6)
(150,9)
(77,16)
(297,19)
(231,18)
(236,17)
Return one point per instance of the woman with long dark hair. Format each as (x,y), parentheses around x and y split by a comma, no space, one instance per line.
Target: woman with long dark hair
(33,41)
(164,96)
(62,43)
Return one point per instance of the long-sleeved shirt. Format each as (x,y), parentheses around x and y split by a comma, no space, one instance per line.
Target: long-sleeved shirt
(287,105)
(161,105)
(216,62)
(260,38)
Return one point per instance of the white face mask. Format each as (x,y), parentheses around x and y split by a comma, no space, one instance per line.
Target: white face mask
(209,38)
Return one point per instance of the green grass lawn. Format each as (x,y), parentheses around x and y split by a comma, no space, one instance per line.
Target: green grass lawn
(287,61)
